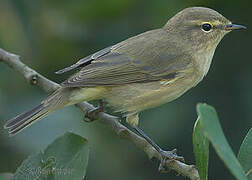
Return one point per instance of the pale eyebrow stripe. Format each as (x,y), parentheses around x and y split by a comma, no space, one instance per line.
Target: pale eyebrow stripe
(198,22)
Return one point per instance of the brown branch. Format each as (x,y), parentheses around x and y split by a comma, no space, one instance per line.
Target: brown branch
(47,85)
(29,74)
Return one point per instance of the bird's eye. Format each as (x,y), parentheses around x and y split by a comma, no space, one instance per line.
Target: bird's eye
(206,27)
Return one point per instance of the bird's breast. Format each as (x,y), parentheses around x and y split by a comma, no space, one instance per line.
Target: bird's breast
(202,62)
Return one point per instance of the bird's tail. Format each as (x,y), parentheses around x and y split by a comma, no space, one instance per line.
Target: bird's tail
(52,103)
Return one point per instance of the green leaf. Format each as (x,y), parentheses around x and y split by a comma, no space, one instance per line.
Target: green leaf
(212,129)
(245,154)
(6,176)
(201,150)
(66,158)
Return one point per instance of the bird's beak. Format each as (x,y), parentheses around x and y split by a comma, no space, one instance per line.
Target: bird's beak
(231,27)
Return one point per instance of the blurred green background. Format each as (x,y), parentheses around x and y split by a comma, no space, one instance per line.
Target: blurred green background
(50,35)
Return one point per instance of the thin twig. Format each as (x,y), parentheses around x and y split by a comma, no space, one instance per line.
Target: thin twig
(47,85)
(249,172)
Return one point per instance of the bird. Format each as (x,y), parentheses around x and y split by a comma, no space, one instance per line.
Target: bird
(141,72)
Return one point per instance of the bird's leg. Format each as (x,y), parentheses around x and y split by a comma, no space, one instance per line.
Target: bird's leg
(90,115)
(170,155)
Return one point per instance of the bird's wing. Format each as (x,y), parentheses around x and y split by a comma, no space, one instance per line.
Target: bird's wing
(86,60)
(132,61)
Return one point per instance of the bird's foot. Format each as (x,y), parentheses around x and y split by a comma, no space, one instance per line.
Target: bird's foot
(168,156)
(91,115)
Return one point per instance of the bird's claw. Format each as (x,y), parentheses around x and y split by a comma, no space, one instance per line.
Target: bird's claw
(168,156)
(92,114)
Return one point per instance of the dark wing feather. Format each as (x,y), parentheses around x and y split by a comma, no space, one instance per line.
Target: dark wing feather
(86,60)
(113,69)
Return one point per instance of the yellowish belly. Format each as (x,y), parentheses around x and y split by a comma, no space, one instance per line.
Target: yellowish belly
(138,97)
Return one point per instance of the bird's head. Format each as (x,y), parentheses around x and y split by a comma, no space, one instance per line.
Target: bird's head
(200,26)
